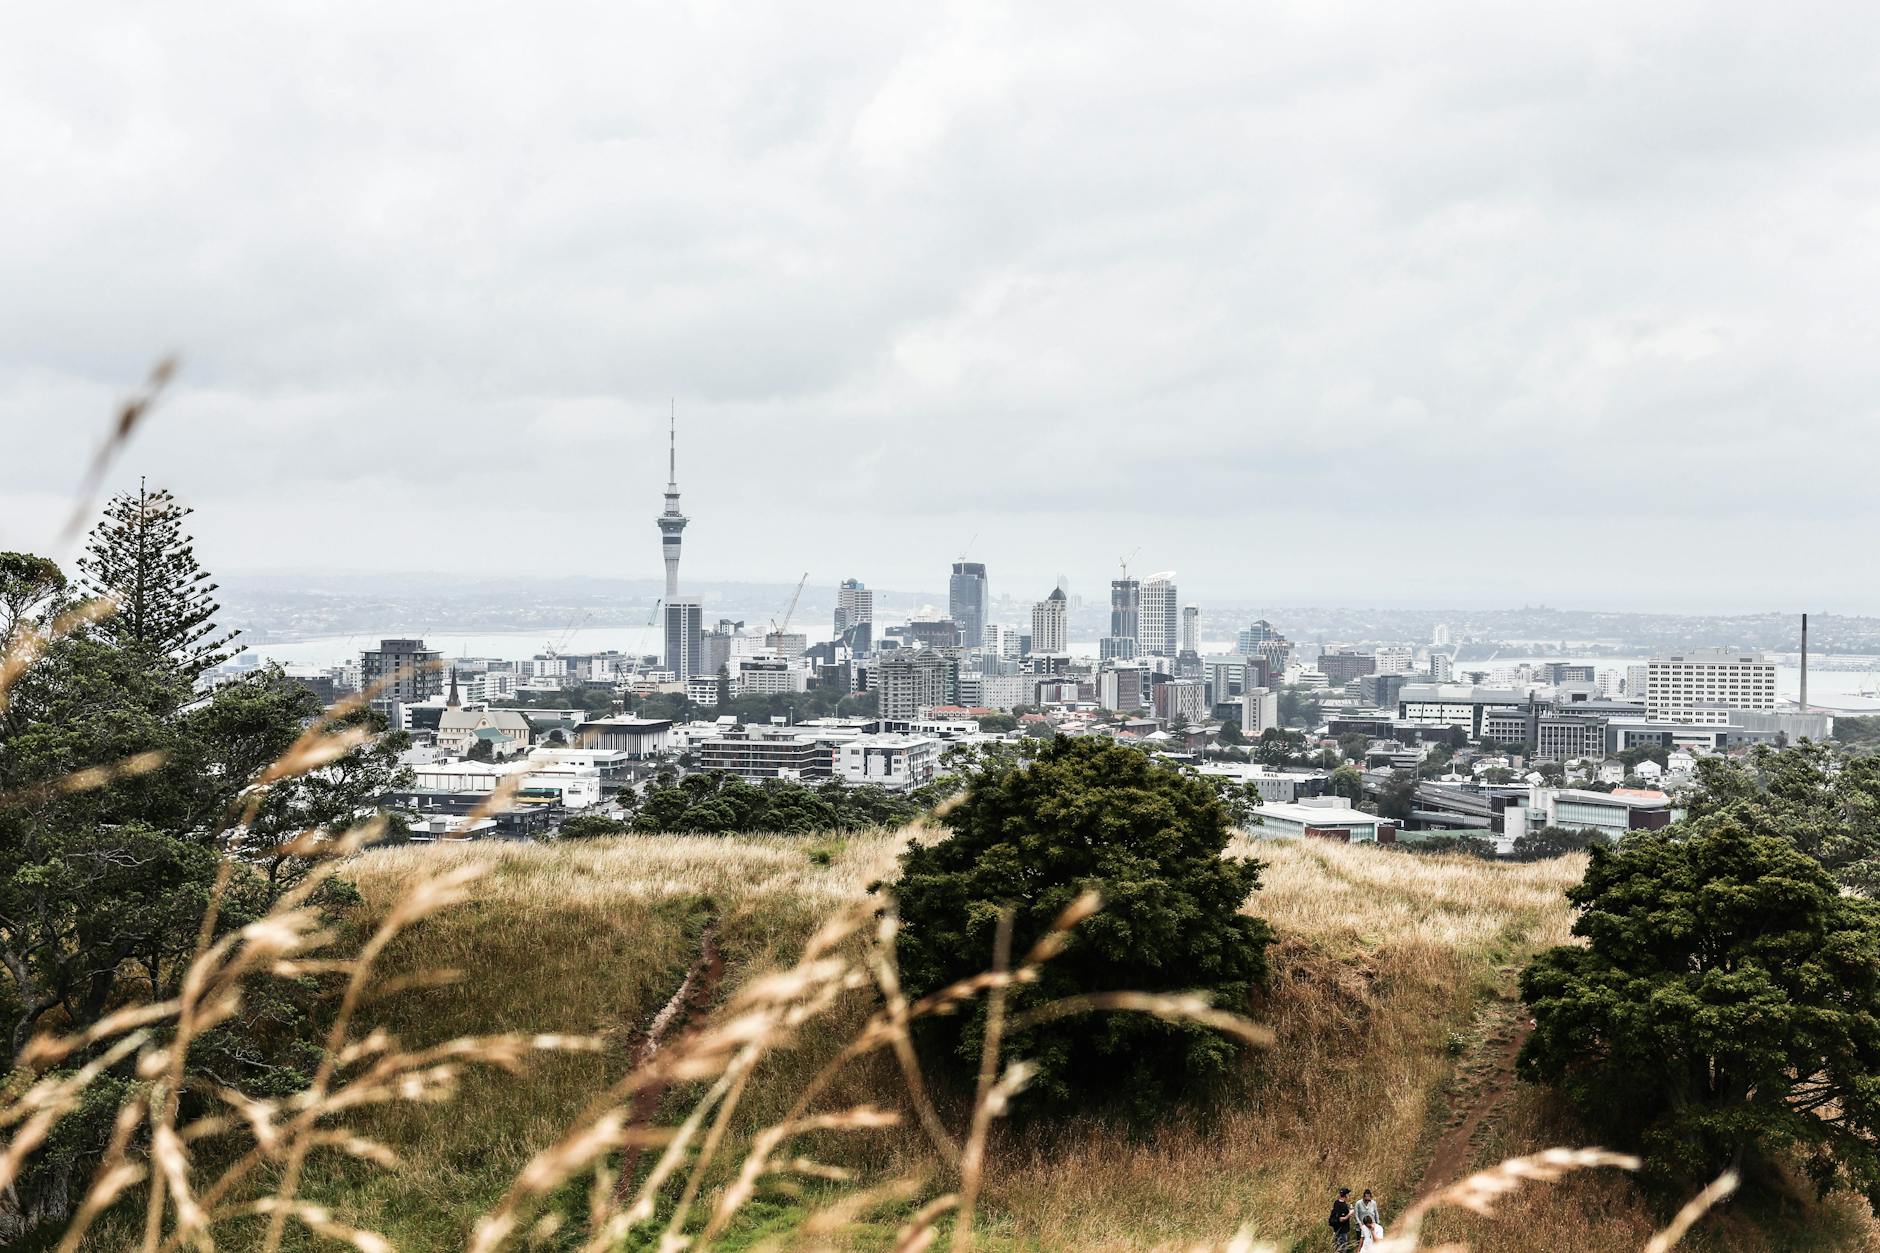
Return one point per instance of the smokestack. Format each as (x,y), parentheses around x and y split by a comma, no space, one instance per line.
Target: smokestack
(1804,663)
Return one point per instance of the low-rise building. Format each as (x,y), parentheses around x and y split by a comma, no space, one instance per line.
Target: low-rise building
(768,753)
(1327,818)
(893,761)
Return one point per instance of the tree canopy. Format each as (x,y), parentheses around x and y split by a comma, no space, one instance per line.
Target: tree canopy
(1090,813)
(1724,1006)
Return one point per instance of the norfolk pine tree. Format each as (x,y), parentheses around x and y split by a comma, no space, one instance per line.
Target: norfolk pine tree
(139,556)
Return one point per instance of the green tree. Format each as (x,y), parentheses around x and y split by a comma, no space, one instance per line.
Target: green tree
(1299,707)
(1550,842)
(1276,747)
(140,557)
(27,584)
(587,826)
(1090,813)
(1829,809)
(1352,744)
(1723,1007)
(997,723)
(483,750)
(1348,782)
(1231,734)
(1398,796)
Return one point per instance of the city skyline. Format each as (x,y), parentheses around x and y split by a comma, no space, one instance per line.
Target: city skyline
(937,274)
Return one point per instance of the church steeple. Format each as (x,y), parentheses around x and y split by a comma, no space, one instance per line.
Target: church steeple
(453,702)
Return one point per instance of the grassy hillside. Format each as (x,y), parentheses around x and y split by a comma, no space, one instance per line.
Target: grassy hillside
(1391,998)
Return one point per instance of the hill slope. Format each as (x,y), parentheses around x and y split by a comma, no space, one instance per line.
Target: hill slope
(1391,998)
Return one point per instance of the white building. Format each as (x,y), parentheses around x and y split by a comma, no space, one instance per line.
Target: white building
(1442,669)
(1327,817)
(1191,628)
(1307,677)
(1396,659)
(702,689)
(1440,636)
(767,676)
(1050,624)
(1703,687)
(894,761)
(1637,679)
(1003,692)
(1259,709)
(1158,630)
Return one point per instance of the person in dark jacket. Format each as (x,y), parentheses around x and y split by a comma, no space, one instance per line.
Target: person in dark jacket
(1340,1221)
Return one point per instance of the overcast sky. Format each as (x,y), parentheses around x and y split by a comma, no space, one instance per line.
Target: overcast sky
(1432,303)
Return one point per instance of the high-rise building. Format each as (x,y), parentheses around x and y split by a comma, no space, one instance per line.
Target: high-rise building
(1442,668)
(1050,624)
(908,682)
(1191,629)
(685,639)
(1259,709)
(1158,626)
(1120,688)
(1259,633)
(1702,687)
(400,672)
(1636,681)
(855,603)
(1440,636)
(1126,610)
(967,601)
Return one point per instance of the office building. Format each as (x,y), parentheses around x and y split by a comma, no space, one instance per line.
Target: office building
(685,639)
(1558,672)
(1259,709)
(1050,624)
(1637,681)
(1342,667)
(1380,691)
(967,601)
(1158,626)
(1563,737)
(400,672)
(944,633)
(1125,609)
(1703,687)
(1456,705)
(1120,688)
(1395,659)
(1116,648)
(855,616)
(1255,635)
(1181,702)
(911,682)
(1442,668)
(1191,629)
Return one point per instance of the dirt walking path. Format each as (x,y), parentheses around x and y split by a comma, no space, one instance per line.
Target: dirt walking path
(684,1013)
(1487,1081)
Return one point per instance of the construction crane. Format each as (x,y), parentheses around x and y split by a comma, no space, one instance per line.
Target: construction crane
(1127,558)
(556,648)
(789,610)
(969,546)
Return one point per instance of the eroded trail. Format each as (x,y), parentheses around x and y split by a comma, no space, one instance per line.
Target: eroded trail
(685,1012)
(1485,1083)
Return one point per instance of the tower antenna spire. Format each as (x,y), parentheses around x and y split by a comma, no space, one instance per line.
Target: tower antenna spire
(672,443)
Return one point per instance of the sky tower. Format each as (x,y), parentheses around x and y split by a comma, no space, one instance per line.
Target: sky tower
(671,522)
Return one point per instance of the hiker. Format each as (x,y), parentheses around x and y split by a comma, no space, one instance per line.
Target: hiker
(1340,1221)
(1370,1223)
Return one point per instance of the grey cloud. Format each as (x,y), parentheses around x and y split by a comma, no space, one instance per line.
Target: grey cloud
(1252,287)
